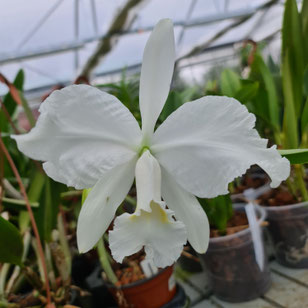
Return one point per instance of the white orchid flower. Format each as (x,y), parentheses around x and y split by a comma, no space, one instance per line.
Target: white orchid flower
(87,138)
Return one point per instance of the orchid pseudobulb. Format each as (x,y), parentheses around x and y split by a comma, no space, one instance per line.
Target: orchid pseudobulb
(87,138)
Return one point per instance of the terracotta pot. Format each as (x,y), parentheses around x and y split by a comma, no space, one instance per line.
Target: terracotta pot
(231,266)
(288,229)
(153,292)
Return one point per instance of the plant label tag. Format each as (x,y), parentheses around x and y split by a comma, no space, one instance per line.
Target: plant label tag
(148,267)
(171,283)
(255,234)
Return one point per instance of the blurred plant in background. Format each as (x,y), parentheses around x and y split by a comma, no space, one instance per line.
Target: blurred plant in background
(278,97)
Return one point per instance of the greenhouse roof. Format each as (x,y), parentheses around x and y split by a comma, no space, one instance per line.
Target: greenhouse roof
(52,41)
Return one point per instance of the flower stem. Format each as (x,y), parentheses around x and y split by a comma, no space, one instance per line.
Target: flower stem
(103,257)
(33,222)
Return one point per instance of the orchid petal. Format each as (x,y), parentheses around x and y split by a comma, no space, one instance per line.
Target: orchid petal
(101,204)
(148,181)
(81,134)
(188,210)
(206,143)
(156,74)
(151,226)
(161,236)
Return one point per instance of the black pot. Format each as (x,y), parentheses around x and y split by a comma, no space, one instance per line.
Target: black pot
(180,300)
(86,273)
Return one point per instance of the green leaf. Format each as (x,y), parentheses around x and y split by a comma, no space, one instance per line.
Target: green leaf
(247,92)
(174,101)
(46,215)
(23,221)
(304,118)
(188,94)
(259,107)
(211,87)
(295,156)
(269,83)
(11,244)
(293,48)
(34,194)
(306,82)
(290,119)
(9,102)
(230,83)
(27,109)
(219,210)
(36,186)
(304,19)
(47,193)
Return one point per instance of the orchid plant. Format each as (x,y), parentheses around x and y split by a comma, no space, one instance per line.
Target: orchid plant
(278,95)
(88,138)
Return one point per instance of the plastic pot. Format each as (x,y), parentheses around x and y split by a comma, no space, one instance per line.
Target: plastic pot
(180,300)
(230,263)
(288,229)
(189,264)
(153,292)
(78,300)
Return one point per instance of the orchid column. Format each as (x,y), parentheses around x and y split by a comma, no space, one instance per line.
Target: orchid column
(88,138)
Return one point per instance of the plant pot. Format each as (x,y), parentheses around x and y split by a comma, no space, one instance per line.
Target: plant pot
(86,274)
(256,180)
(190,264)
(78,300)
(180,300)
(152,292)
(230,263)
(288,228)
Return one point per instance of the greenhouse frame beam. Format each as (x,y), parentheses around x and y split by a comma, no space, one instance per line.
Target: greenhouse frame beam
(19,56)
(136,67)
(39,24)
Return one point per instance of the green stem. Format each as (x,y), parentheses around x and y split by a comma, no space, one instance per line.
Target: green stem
(277,137)
(4,304)
(291,187)
(3,274)
(39,261)
(304,143)
(103,257)
(301,183)
(49,264)
(16,271)
(64,243)
(18,283)
(18,202)
(72,193)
